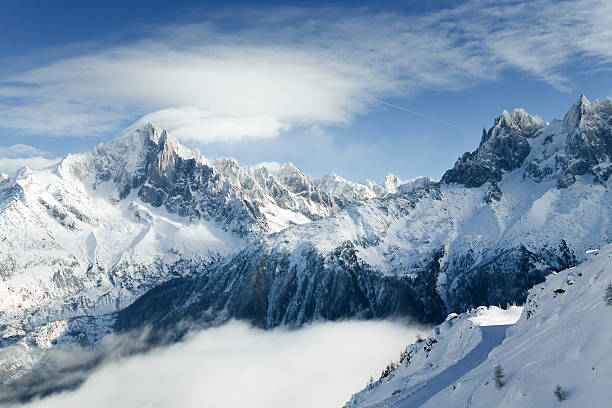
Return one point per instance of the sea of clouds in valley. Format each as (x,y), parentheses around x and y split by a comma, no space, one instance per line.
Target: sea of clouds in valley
(237,365)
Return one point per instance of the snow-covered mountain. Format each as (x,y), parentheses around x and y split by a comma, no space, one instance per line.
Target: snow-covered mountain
(144,232)
(561,339)
(348,191)
(91,234)
(485,234)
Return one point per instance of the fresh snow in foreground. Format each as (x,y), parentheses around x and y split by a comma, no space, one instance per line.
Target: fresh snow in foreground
(563,337)
(492,336)
(494,315)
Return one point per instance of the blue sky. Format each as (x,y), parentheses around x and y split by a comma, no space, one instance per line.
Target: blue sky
(300,82)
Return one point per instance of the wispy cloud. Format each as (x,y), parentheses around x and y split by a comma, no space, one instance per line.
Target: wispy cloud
(9,166)
(235,365)
(195,125)
(543,37)
(21,155)
(298,67)
(21,150)
(272,166)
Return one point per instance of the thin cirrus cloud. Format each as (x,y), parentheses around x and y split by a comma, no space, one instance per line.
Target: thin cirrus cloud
(297,67)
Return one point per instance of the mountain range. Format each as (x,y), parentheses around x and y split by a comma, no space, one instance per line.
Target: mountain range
(142,232)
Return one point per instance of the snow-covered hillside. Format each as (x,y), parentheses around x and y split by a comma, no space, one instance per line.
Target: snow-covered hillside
(562,338)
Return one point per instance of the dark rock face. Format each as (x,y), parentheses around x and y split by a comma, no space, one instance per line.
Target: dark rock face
(506,276)
(502,149)
(267,290)
(263,287)
(184,186)
(188,188)
(494,193)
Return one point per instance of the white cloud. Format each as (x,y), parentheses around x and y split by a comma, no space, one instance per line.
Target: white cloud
(272,166)
(543,37)
(298,67)
(194,125)
(235,365)
(10,165)
(21,155)
(21,150)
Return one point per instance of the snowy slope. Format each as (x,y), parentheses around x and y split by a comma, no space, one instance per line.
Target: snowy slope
(562,337)
(65,252)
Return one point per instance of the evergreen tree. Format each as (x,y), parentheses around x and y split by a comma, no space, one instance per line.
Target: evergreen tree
(559,393)
(370,383)
(608,294)
(498,376)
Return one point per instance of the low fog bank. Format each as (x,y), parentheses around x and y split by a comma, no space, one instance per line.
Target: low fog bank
(235,365)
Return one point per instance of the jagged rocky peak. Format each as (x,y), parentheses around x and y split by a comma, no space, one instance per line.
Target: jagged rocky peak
(293,177)
(588,130)
(520,120)
(392,182)
(161,172)
(573,119)
(579,145)
(299,183)
(331,180)
(3,176)
(419,182)
(149,164)
(128,157)
(503,148)
(346,190)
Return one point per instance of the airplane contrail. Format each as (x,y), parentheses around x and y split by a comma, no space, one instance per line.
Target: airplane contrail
(420,114)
